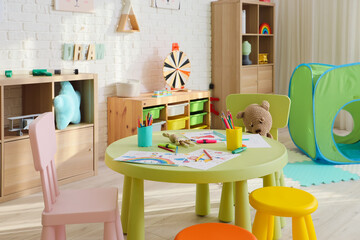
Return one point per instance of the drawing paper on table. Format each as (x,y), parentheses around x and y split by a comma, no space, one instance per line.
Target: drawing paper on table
(205,135)
(255,141)
(204,163)
(154,158)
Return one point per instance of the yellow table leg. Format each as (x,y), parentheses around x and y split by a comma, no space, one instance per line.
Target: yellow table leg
(136,229)
(202,205)
(125,203)
(242,207)
(226,209)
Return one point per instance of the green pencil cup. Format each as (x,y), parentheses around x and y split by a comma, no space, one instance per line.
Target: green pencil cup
(145,136)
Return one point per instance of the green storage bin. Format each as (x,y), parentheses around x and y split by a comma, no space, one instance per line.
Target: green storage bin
(197,118)
(177,123)
(155,111)
(198,105)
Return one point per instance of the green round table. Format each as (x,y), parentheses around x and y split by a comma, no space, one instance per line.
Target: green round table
(252,163)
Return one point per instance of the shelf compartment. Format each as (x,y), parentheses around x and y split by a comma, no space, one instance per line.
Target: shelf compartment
(266,45)
(197,105)
(86,89)
(177,123)
(253,40)
(24,100)
(158,126)
(154,111)
(197,118)
(252,25)
(266,15)
(176,109)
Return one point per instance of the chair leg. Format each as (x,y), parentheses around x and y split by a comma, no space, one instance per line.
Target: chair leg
(119,230)
(60,232)
(299,230)
(48,233)
(110,231)
(310,227)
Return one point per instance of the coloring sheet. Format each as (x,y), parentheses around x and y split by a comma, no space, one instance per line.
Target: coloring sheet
(154,158)
(205,135)
(180,159)
(254,141)
(204,162)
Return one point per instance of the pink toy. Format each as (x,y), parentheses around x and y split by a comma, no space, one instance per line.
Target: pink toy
(71,206)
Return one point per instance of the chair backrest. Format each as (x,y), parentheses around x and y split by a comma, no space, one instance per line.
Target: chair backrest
(43,146)
(279,108)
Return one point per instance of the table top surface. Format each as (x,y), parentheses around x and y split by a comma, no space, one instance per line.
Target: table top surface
(252,163)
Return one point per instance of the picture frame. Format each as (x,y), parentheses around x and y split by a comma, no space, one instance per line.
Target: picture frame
(85,6)
(167,4)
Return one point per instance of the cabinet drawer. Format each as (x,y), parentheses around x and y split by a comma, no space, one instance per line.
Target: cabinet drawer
(19,171)
(74,155)
(249,78)
(265,81)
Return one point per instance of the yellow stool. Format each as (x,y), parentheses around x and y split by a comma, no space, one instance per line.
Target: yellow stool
(283,202)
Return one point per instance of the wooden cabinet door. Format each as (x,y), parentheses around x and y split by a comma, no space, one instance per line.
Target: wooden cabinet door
(19,171)
(248,82)
(265,81)
(75,152)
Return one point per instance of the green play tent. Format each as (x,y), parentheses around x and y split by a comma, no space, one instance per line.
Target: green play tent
(318,92)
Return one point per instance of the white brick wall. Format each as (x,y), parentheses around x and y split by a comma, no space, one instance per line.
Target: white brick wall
(32,34)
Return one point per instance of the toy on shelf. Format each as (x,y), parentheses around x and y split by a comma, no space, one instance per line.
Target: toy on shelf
(179,141)
(24,123)
(177,68)
(263,58)
(41,72)
(265,29)
(8,73)
(162,93)
(246,50)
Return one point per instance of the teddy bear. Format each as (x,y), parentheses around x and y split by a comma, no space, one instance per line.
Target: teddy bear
(178,141)
(257,119)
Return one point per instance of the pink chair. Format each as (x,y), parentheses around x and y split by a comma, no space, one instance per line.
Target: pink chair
(74,206)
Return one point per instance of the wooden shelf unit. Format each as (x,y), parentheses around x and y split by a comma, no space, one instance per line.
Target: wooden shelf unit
(77,153)
(229,76)
(124,112)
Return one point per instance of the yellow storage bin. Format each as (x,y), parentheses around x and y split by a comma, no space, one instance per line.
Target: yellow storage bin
(177,123)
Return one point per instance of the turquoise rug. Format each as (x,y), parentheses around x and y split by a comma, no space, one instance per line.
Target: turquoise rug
(307,172)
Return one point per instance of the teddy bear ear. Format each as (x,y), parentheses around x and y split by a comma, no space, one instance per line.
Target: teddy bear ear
(266,105)
(240,115)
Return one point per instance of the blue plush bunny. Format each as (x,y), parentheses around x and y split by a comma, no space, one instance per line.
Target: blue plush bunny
(67,106)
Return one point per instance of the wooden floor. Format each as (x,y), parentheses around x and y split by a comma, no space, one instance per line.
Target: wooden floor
(170,208)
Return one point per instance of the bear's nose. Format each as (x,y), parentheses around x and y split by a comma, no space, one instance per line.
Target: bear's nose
(258,131)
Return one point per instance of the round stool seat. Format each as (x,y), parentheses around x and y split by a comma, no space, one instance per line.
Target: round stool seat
(283,201)
(214,231)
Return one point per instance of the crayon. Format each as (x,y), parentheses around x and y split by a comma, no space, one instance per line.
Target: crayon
(206,152)
(199,157)
(168,149)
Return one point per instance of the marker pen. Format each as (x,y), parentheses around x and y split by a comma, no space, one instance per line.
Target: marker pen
(206,141)
(239,150)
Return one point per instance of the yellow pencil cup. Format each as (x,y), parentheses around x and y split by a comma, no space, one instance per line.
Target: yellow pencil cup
(234,138)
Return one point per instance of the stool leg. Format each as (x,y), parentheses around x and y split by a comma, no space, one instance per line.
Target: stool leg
(226,210)
(299,230)
(202,204)
(310,227)
(261,225)
(270,234)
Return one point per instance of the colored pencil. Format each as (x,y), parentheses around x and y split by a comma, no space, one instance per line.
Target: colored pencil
(199,157)
(167,149)
(232,121)
(206,152)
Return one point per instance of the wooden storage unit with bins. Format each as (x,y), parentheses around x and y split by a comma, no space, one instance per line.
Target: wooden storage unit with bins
(76,156)
(229,75)
(175,111)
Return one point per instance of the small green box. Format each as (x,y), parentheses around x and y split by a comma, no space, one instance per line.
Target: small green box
(197,118)
(154,111)
(198,105)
